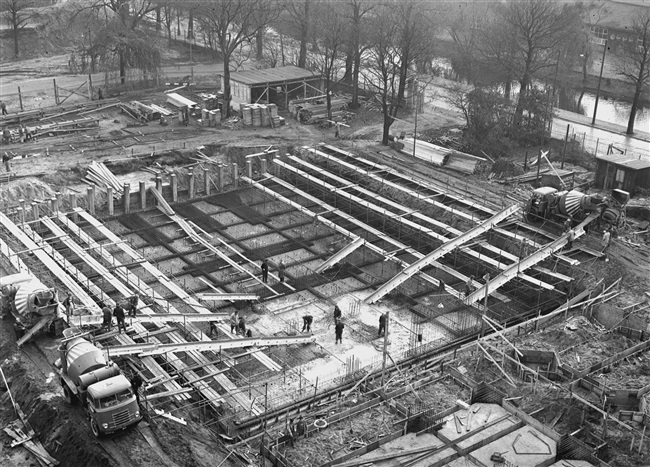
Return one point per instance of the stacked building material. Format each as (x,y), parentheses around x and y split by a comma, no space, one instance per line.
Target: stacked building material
(144,110)
(161,110)
(441,156)
(316,111)
(98,174)
(463,162)
(179,101)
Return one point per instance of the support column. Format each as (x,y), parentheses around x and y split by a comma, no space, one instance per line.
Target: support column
(264,166)
(21,215)
(59,201)
(235,175)
(90,197)
(126,199)
(53,206)
(174,180)
(206,182)
(73,206)
(143,196)
(21,201)
(35,212)
(249,168)
(220,177)
(109,196)
(190,175)
(159,183)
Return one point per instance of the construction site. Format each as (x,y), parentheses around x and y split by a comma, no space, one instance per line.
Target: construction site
(504,342)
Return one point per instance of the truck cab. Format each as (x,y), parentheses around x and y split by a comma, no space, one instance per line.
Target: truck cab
(111,405)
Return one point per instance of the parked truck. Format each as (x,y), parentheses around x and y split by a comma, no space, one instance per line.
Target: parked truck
(33,304)
(101,387)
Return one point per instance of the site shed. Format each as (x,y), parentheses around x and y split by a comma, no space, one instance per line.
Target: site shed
(623,172)
(272,86)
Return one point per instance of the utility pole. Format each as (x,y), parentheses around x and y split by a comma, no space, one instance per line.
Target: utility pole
(600,78)
(415,103)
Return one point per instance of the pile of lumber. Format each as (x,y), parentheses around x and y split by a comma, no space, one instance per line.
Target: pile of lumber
(144,110)
(210,117)
(179,101)
(99,175)
(24,435)
(441,156)
(20,117)
(261,115)
(316,111)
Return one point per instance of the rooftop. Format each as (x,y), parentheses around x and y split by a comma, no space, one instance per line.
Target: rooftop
(272,75)
(633,162)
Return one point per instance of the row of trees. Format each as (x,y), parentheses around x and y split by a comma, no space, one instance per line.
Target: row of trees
(385,41)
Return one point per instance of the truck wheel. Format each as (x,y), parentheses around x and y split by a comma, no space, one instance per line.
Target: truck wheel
(69,396)
(95,428)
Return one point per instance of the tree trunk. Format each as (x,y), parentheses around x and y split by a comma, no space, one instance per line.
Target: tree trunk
(349,64)
(519,110)
(508,89)
(15,40)
(635,105)
(259,42)
(302,57)
(178,21)
(158,19)
(226,81)
(355,79)
(122,68)
(388,121)
(190,24)
(282,48)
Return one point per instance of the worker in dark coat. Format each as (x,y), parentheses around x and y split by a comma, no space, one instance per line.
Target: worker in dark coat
(469,286)
(133,304)
(214,330)
(570,237)
(301,427)
(118,312)
(281,270)
(234,321)
(338,330)
(108,317)
(3,107)
(306,323)
(241,326)
(136,383)
(265,271)
(382,324)
(337,313)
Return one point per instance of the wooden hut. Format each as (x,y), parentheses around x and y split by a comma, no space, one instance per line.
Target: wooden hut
(623,172)
(272,86)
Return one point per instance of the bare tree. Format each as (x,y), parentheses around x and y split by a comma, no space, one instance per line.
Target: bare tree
(355,11)
(400,36)
(300,12)
(332,30)
(635,66)
(233,22)
(524,38)
(17,13)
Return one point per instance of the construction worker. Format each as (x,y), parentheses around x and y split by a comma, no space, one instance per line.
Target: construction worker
(234,321)
(136,383)
(241,326)
(469,285)
(281,270)
(67,303)
(133,303)
(108,317)
(265,271)
(567,225)
(118,312)
(337,313)
(100,94)
(382,324)
(3,107)
(607,238)
(337,130)
(570,237)
(301,427)
(338,330)
(214,330)
(6,136)
(306,323)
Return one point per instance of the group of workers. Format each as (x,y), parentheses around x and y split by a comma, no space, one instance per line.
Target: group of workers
(282,268)
(24,134)
(130,305)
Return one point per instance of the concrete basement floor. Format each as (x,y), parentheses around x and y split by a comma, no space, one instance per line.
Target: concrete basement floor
(525,447)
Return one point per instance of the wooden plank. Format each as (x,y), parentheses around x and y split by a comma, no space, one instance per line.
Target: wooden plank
(447,247)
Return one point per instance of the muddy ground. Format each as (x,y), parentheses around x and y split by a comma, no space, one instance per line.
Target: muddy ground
(30,374)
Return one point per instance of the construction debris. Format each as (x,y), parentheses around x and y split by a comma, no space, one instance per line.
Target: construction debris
(99,175)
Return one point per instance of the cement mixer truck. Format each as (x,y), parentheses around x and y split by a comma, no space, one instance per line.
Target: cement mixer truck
(32,304)
(549,203)
(99,385)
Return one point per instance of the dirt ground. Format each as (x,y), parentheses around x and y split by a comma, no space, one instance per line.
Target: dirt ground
(30,373)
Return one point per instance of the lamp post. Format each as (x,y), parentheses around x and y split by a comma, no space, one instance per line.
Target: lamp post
(600,78)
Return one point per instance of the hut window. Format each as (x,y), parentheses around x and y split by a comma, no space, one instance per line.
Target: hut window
(620,175)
